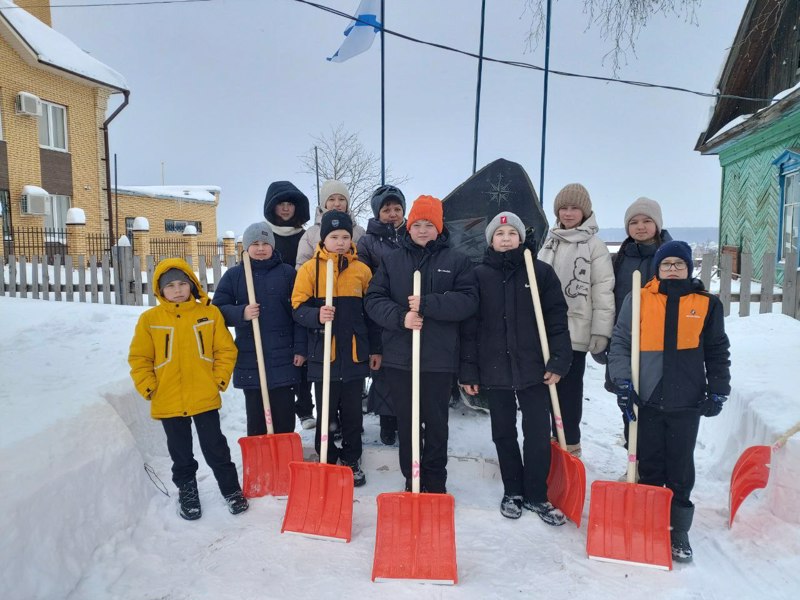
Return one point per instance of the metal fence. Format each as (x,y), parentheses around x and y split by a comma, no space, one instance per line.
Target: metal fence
(36,241)
(211,249)
(98,244)
(167,247)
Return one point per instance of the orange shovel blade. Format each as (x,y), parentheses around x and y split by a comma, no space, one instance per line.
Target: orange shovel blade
(416,538)
(320,501)
(629,523)
(265,463)
(566,483)
(750,473)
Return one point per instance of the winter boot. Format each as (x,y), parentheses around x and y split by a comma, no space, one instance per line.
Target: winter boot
(680,523)
(359,478)
(308,422)
(574,449)
(511,507)
(546,511)
(237,503)
(388,430)
(189,501)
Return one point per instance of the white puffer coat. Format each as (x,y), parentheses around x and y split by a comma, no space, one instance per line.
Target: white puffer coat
(583,265)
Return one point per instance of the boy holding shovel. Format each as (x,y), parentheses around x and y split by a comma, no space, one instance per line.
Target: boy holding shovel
(684,374)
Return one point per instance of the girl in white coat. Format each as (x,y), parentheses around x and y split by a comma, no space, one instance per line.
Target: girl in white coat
(583,265)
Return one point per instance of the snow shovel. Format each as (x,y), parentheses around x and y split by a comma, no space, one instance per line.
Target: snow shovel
(265,458)
(566,482)
(752,471)
(321,495)
(416,533)
(629,522)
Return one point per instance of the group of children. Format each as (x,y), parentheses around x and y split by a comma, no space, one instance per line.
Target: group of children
(476,323)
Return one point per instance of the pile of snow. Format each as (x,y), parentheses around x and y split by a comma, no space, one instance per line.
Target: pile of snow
(82,519)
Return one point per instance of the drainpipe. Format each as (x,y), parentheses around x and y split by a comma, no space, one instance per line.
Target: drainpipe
(111,215)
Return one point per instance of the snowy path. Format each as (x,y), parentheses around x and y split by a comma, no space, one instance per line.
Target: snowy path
(82,521)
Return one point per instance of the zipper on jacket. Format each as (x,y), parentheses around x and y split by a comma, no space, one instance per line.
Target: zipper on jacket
(166,347)
(202,345)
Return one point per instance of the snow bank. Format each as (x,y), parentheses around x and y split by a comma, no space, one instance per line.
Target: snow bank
(81,519)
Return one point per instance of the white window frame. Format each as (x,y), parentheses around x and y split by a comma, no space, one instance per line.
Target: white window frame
(46,126)
(790,214)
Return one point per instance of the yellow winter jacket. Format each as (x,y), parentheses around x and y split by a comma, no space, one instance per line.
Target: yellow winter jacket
(181,355)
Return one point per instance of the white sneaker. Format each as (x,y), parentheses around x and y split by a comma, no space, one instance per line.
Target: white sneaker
(308,422)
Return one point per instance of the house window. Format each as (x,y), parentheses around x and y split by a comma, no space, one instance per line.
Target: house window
(53,126)
(56,209)
(790,214)
(173,226)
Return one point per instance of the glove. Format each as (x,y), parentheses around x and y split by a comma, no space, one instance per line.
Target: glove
(601,358)
(597,343)
(626,398)
(712,405)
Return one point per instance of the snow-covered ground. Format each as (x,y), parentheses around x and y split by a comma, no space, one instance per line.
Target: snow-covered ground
(81,518)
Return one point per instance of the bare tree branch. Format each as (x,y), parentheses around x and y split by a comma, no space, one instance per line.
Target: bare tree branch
(342,156)
(620,22)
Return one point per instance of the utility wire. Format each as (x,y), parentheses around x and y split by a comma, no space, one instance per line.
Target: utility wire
(525,65)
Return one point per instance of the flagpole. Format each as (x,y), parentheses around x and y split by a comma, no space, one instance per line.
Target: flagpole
(383,113)
(478,91)
(544,102)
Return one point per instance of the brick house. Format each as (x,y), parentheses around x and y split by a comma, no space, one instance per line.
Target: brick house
(54,122)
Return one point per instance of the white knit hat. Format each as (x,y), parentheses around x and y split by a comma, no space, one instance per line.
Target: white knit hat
(331,187)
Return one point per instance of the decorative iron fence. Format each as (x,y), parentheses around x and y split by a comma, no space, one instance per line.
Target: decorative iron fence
(36,241)
(98,244)
(211,249)
(167,247)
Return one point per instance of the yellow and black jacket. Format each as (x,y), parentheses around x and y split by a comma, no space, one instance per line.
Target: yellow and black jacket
(684,348)
(354,336)
(181,355)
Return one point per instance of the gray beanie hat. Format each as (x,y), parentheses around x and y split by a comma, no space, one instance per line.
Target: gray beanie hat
(648,208)
(171,275)
(258,232)
(505,218)
(573,194)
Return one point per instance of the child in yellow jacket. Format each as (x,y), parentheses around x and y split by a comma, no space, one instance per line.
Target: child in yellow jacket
(181,357)
(355,343)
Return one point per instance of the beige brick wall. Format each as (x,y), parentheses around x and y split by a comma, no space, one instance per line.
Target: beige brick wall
(86,108)
(157,210)
(38,8)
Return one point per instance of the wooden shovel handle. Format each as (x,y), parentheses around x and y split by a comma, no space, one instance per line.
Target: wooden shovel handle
(262,372)
(537,309)
(415,368)
(326,368)
(636,333)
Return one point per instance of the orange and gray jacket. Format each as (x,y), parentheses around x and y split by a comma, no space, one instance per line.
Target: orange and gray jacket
(354,337)
(684,348)
(181,355)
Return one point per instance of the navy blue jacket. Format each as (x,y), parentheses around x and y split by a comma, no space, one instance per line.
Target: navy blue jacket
(500,345)
(281,337)
(449,296)
(380,239)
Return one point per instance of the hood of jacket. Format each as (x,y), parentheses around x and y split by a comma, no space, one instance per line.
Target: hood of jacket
(286,191)
(178,263)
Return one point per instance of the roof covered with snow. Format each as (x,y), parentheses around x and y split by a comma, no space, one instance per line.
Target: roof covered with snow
(40,45)
(196,193)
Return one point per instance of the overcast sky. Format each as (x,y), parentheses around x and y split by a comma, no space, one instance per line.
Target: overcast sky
(231,92)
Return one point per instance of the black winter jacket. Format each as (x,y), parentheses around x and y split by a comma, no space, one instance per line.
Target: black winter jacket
(500,345)
(281,337)
(634,256)
(449,295)
(380,239)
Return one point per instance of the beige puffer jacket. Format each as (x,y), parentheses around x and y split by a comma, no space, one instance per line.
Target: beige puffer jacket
(583,265)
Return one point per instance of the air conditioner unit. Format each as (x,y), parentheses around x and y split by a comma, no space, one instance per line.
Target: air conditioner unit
(33,204)
(28,104)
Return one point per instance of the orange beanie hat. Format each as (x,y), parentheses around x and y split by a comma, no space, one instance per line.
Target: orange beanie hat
(426,208)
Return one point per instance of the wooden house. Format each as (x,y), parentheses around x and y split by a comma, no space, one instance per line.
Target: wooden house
(754,129)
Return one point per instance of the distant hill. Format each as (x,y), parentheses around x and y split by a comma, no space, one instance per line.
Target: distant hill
(691,235)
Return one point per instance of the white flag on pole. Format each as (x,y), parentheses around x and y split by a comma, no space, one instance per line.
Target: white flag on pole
(359,35)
